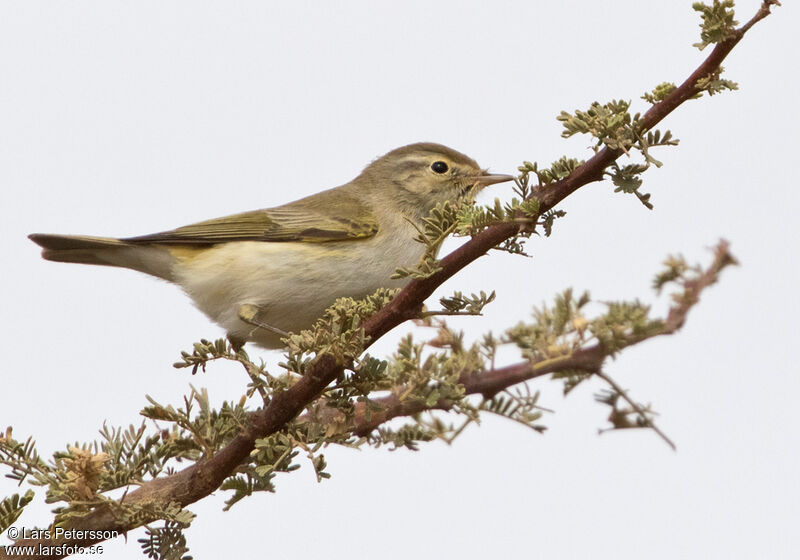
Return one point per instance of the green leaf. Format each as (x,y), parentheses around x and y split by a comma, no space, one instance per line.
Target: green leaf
(718,24)
(11,508)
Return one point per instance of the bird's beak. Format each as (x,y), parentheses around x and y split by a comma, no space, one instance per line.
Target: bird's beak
(491,178)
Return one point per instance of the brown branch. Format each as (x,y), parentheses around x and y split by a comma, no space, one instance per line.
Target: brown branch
(677,314)
(487,383)
(205,476)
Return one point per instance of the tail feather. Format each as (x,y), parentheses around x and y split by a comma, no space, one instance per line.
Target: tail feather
(63,242)
(105,251)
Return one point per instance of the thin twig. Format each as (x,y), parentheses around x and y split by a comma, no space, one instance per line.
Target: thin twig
(636,407)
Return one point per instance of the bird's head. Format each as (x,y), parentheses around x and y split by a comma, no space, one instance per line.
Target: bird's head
(420,176)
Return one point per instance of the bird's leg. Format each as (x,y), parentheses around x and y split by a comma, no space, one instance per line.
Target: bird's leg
(255,315)
(237,343)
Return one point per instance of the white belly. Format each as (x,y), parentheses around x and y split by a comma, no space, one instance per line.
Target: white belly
(293,282)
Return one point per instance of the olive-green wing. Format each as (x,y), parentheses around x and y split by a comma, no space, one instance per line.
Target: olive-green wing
(328,216)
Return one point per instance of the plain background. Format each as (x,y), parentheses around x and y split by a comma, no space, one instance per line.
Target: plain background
(124,118)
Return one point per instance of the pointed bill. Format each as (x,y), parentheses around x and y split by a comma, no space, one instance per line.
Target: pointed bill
(492,178)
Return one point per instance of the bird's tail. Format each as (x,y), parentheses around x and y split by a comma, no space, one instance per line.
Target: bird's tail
(105,251)
(75,248)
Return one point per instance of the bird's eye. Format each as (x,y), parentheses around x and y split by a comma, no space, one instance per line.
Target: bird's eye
(439,167)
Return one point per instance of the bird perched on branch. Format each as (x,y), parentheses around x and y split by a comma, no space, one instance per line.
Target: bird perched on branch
(264,273)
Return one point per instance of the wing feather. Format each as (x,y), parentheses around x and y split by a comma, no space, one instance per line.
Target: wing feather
(318,218)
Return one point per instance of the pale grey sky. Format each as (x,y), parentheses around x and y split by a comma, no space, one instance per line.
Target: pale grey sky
(123,118)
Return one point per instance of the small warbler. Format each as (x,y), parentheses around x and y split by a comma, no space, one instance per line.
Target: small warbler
(263,273)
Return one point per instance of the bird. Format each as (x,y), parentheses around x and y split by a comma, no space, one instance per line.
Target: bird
(265,273)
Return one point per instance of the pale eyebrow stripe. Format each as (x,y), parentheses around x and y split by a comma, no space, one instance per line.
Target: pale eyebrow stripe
(409,164)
